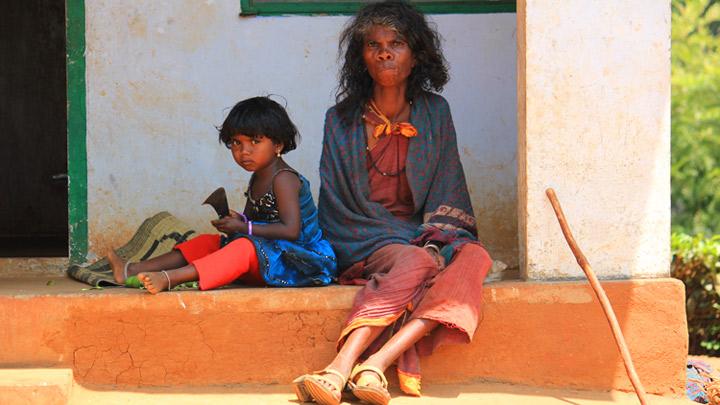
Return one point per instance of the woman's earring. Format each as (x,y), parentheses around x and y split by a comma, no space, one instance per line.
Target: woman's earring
(278,153)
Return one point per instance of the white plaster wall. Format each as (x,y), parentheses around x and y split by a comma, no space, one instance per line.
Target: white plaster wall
(595,126)
(162,74)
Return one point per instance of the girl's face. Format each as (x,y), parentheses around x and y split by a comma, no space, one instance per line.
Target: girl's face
(253,152)
(388,56)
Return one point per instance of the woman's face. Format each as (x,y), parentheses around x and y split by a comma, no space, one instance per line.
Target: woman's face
(387,56)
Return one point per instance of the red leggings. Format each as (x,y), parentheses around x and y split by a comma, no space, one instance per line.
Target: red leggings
(217,267)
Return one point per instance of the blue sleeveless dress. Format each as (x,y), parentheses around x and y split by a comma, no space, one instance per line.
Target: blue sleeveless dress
(307,261)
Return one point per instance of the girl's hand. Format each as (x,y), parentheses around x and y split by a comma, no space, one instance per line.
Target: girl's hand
(230,224)
(237,215)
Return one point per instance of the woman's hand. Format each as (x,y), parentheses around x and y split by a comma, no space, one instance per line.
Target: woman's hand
(230,224)
(434,252)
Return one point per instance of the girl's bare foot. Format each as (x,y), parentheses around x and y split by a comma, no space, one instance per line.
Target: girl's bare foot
(118,267)
(154,282)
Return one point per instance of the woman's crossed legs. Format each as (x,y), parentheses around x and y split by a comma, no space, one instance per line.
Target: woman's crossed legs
(395,262)
(397,272)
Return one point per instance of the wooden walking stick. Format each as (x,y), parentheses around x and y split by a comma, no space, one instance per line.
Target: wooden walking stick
(604,302)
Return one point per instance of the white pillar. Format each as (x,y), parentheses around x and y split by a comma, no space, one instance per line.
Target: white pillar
(594,124)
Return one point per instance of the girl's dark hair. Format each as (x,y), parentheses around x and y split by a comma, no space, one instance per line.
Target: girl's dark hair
(430,71)
(260,116)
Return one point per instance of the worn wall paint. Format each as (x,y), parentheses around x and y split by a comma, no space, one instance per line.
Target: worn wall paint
(161,75)
(594,110)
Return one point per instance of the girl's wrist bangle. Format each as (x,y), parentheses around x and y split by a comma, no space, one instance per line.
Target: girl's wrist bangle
(244,217)
(249,228)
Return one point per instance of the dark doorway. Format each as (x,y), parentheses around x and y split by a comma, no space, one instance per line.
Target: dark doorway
(33,129)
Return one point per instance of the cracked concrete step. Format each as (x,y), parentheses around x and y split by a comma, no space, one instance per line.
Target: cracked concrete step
(542,334)
(45,386)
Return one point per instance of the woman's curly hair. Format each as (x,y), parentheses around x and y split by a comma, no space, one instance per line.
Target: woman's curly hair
(356,85)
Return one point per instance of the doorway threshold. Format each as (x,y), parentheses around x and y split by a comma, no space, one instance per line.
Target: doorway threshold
(33,266)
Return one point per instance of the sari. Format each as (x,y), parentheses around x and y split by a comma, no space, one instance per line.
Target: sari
(376,249)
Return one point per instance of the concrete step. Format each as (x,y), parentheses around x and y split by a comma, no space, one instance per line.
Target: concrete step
(35,386)
(540,334)
(55,386)
(441,394)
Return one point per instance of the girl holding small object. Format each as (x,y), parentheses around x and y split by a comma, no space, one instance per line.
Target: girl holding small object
(276,241)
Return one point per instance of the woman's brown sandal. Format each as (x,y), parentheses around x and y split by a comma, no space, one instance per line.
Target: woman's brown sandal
(369,393)
(317,386)
(303,395)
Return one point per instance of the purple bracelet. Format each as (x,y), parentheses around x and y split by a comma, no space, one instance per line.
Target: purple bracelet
(244,217)
(249,227)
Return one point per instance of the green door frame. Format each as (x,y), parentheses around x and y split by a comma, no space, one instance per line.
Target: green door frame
(76,130)
(332,7)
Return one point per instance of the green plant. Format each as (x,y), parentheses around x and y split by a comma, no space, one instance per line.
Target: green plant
(696,116)
(696,261)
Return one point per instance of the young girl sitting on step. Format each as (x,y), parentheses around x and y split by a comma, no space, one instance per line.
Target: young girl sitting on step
(276,241)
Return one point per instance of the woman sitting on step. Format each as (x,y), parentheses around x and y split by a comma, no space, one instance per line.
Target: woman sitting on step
(394,204)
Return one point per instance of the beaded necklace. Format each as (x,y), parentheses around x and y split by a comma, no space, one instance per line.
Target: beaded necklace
(385,127)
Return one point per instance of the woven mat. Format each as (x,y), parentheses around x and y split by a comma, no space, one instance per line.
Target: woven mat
(157,235)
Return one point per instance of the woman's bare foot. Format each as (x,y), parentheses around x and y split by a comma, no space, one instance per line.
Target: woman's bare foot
(154,282)
(118,266)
